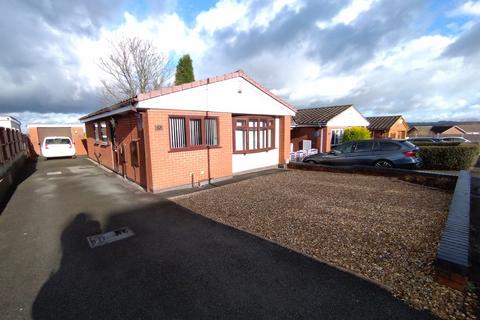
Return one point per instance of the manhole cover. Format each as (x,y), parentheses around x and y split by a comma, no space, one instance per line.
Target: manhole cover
(109,237)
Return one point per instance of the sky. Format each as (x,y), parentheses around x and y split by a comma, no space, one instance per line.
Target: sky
(418,58)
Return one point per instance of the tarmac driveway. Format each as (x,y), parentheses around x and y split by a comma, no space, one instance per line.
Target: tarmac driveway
(179,265)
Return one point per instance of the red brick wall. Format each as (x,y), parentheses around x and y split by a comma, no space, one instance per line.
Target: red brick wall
(78,137)
(308,133)
(102,154)
(284,143)
(126,131)
(34,143)
(176,168)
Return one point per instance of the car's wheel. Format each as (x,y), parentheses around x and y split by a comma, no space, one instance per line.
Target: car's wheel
(74,157)
(383,164)
(45,158)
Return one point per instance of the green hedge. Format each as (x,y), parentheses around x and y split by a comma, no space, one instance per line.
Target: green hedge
(443,157)
(436,144)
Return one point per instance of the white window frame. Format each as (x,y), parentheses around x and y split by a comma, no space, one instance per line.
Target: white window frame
(337,135)
(96,131)
(104,137)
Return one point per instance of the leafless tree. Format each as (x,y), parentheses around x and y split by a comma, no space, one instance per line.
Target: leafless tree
(133,66)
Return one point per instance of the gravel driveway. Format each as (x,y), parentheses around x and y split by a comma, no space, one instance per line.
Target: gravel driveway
(382,228)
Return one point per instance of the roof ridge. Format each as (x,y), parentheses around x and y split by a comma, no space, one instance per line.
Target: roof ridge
(324,107)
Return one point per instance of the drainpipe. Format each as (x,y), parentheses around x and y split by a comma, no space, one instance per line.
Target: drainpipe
(321,140)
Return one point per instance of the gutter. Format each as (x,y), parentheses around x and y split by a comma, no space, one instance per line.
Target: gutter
(127,108)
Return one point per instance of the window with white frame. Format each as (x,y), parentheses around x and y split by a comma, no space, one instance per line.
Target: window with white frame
(103,132)
(97,135)
(337,135)
(192,132)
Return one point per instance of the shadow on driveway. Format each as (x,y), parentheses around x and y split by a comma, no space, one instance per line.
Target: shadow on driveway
(181,265)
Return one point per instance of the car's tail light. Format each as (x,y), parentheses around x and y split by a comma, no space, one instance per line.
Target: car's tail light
(410,153)
(46,146)
(70,145)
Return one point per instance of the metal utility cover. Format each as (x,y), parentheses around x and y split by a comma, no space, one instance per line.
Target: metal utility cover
(109,237)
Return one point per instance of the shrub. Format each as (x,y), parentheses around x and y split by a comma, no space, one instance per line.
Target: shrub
(458,157)
(356,133)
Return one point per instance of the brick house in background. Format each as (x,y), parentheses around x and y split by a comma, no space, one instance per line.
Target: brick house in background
(76,132)
(186,135)
(436,131)
(388,127)
(324,126)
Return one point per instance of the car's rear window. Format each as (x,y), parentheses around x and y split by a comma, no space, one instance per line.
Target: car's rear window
(408,144)
(387,146)
(57,141)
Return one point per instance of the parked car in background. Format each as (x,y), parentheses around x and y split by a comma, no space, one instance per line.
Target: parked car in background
(379,153)
(56,147)
(455,139)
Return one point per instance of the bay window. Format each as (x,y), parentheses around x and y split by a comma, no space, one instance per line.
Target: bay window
(253,134)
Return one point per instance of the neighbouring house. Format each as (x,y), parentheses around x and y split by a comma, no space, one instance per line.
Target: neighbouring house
(76,132)
(321,128)
(436,131)
(9,122)
(388,127)
(191,134)
(472,131)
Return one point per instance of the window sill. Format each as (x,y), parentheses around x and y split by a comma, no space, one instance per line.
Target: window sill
(193,148)
(253,151)
(101,144)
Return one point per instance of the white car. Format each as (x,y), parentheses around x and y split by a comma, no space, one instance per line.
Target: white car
(455,139)
(54,147)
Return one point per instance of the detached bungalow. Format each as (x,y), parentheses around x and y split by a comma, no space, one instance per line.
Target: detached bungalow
(383,127)
(323,127)
(436,131)
(194,133)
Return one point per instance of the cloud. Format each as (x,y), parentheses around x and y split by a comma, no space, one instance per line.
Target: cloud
(381,55)
(468,8)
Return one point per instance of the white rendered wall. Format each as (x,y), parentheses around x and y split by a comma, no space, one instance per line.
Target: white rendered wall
(233,96)
(348,118)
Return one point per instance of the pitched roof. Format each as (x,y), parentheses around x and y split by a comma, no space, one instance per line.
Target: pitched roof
(318,116)
(172,89)
(471,127)
(382,122)
(441,129)
(421,130)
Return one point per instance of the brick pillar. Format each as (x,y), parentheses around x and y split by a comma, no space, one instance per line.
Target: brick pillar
(147,130)
(34,143)
(284,143)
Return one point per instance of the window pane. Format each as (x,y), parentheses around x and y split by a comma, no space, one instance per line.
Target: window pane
(252,123)
(103,132)
(364,146)
(389,146)
(263,137)
(240,139)
(240,123)
(211,132)
(96,132)
(134,153)
(337,135)
(195,132)
(177,133)
(252,139)
(271,138)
